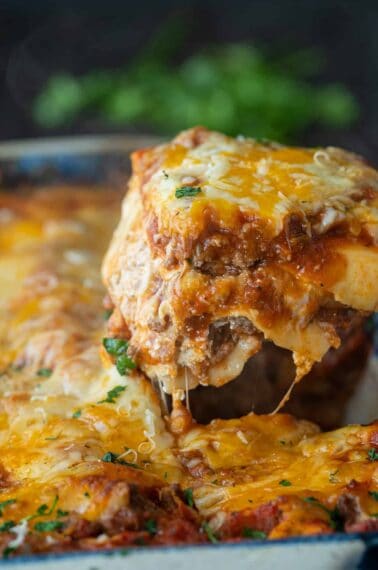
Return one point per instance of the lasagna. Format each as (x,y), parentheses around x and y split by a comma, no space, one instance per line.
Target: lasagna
(226,242)
(88,461)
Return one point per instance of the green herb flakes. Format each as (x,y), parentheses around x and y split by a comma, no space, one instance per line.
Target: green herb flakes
(255,534)
(4,504)
(210,533)
(124,363)
(115,346)
(373,454)
(8,551)
(335,519)
(107,314)
(112,395)
(44,510)
(188,495)
(6,526)
(44,372)
(118,348)
(110,457)
(151,526)
(285,483)
(76,414)
(187,191)
(48,526)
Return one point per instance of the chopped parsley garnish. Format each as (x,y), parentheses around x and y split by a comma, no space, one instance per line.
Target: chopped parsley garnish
(115,346)
(285,483)
(112,395)
(44,510)
(60,513)
(76,414)
(373,454)
(124,551)
(210,533)
(107,314)
(185,191)
(44,372)
(335,519)
(8,550)
(118,348)
(41,511)
(124,363)
(7,526)
(48,526)
(188,495)
(110,457)
(86,494)
(251,533)
(374,494)
(52,438)
(151,526)
(4,504)
(54,503)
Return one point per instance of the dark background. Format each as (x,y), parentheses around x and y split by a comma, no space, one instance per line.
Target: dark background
(39,37)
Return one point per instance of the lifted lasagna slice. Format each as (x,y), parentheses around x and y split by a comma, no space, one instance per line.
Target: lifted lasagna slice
(224,242)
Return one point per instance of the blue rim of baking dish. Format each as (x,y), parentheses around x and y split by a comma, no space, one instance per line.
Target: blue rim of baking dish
(369,540)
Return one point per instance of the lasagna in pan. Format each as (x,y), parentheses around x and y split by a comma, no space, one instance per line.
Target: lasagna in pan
(89,459)
(225,242)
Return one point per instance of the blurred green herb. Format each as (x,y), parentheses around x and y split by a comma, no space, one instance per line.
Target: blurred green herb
(285,483)
(151,526)
(187,191)
(374,494)
(188,496)
(373,454)
(335,519)
(112,395)
(251,533)
(110,457)
(48,526)
(4,504)
(233,88)
(44,372)
(210,533)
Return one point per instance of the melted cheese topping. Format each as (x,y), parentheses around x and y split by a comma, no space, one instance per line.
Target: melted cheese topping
(245,463)
(270,181)
(56,430)
(55,427)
